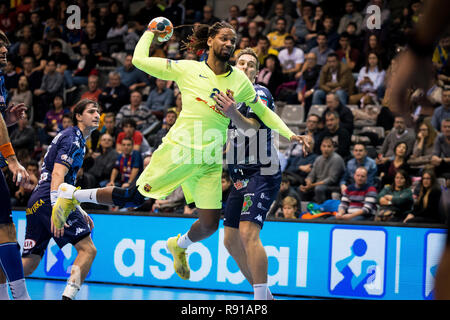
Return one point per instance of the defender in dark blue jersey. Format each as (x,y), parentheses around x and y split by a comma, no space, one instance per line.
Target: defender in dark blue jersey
(11,269)
(62,161)
(254,168)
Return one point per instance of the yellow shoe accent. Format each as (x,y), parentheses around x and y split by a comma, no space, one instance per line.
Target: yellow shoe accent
(62,209)
(179,258)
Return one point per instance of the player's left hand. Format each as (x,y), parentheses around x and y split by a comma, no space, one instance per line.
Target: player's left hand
(225,103)
(14,113)
(302,140)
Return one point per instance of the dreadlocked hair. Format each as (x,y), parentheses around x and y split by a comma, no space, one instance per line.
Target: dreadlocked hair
(198,41)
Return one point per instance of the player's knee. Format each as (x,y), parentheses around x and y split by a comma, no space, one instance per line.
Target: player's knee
(210,225)
(249,232)
(229,241)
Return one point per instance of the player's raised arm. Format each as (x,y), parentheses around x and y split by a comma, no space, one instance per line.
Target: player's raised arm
(158,67)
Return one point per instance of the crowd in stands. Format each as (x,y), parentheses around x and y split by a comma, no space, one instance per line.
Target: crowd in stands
(320,56)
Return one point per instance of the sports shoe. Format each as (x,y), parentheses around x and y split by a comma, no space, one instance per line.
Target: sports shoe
(64,205)
(179,258)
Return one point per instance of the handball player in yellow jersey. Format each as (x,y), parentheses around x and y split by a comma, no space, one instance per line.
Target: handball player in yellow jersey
(191,154)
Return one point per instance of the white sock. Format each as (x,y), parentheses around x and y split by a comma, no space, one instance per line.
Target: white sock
(260,291)
(269,294)
(19,290)
(71,290)
(184,241)
(88,195)
(4,291)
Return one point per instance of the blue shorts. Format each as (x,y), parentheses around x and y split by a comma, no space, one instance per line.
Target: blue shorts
(5,201)
(38,232)
(250,200)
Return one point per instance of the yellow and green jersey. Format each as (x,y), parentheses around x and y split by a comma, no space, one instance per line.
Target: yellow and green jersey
(200,124)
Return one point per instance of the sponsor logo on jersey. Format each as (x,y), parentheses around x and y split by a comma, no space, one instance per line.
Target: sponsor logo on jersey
(34,207)
(147,188)
(29,244)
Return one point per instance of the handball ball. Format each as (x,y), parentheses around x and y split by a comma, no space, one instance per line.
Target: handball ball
(161,24)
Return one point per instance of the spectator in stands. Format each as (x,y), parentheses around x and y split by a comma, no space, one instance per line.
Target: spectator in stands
(55,115)
(335,77)
(321,50)
(208,16)
(425,101)
(423,147)
(299,165)
(34,77)
(129,131)
(132,77)
(169,120)
(313,127)
(92,38)
(370,82)
(426,208)
(252,15)
(263,49)
(441,151)
(115,34)
(109,126)
(302,24)
(61,58)
(23,136)
(290,208)
(67,121)
(40,57)
(22,94)
(345,114)
(339,136)
(291,58)
(51,25)
(115,95)
(52,85)
(270,75)
(360,159)
(147,13)
(317,24)
(397,162)
(137,111)
(173,203)
(85,66)
(243,43)
(93,91)
(104,160)
(285,190)
(160,98)
(37,28)
(278,36)
(10,75)
(279,12)
(253,33)
(358,201)
(325,174)
(346,52)
(399,134)
(442,112)
(395,200)
(127,167)
(308,78)
(22,195)
(329,31)
(351,15)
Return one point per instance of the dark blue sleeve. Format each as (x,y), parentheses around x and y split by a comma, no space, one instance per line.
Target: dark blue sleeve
(136,160)
(266,98)
(65,148)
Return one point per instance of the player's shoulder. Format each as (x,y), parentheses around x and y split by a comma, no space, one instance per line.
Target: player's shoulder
(263,91)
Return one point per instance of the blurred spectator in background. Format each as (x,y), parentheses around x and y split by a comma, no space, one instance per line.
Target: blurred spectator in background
(441,151)
(322,50)
(396,200)
(339,136)
(169,120)
(290,208)
(358,201)
(263,49)
(426,207)
(130,76)
(346,52)
(291,58)
(423,147)
(22,94)
(128,165)
(93,90)
(278,35)
(442,112)
(271,75)
(370,82)
(23,136)
(137,111)
(208,16)
(346,119)
(115,95)
(335,77)
(308,78)
(398,161)
(34,77)
(279,12)
(325,174)
(160,98)
(399,134)
(351,15)
(285,190)
(105,158)
(360,159)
